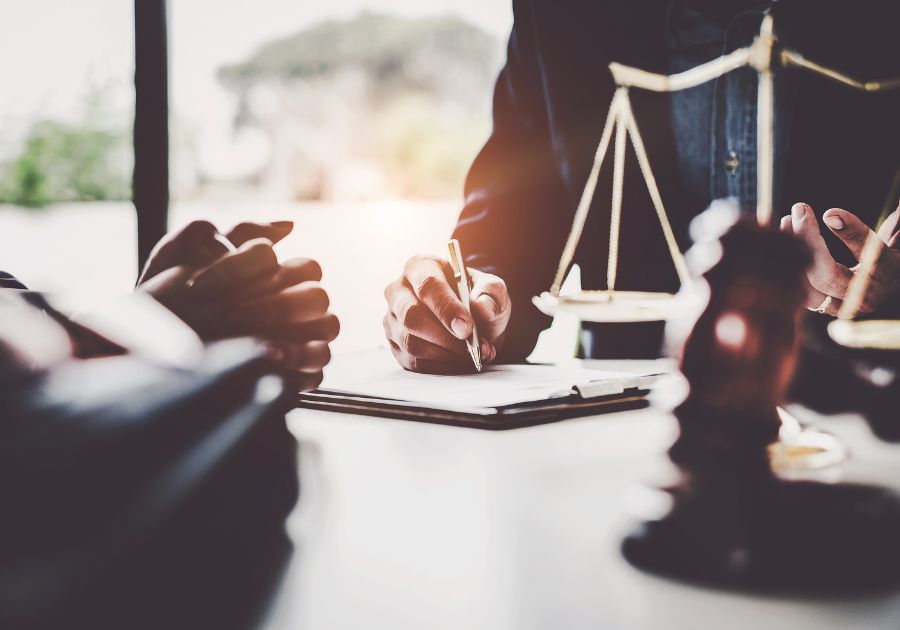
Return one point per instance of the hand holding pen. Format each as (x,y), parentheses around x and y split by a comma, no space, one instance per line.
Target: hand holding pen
(427,325)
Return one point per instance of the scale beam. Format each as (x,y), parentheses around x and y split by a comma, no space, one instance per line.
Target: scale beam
(791,58)
(626,76)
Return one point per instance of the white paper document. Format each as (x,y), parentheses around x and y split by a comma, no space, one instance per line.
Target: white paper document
(376,374)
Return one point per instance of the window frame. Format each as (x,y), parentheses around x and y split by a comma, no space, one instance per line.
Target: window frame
(150,179)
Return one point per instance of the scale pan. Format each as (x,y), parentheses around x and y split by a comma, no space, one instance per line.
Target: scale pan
(870,334)
(617,306)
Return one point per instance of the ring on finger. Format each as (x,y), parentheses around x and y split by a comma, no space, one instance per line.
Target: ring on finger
(823,307)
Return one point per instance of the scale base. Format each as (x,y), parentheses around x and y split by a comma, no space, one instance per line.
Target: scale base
(871,334)
(791,538)
(614,306)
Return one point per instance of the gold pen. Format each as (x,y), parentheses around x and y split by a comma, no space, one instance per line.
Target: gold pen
(464,289)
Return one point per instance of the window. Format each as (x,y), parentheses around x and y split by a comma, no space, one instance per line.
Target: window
(66,112)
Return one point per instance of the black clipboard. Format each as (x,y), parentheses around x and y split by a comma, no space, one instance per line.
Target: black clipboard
(491,418)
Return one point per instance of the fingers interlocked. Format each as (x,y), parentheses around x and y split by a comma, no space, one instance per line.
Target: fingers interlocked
(223,293)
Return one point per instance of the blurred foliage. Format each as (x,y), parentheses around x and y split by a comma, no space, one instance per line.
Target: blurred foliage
(60,162)
(424,157)
(408,99)
(395,52)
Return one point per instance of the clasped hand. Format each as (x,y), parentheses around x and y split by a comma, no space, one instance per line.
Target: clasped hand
(221,293)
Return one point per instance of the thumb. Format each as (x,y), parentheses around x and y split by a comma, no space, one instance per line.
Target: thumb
(490,303)
(247,231)
(847,227)
(894,242)
(888,230)
(194,245)
(804,224)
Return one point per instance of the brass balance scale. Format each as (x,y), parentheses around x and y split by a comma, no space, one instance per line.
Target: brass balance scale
(798,447)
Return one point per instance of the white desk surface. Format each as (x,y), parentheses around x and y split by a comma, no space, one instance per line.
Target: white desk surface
(403,525)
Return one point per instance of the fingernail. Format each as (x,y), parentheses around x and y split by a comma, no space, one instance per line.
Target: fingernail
(460,328)
(283,224)
(798,209)
(833,221)
(489,303)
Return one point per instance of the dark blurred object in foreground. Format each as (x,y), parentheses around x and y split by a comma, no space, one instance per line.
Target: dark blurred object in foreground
(734,524)
(140,496)
(835,379)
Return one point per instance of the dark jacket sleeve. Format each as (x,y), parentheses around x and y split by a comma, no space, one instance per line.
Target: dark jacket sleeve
(8,281)
(516,212)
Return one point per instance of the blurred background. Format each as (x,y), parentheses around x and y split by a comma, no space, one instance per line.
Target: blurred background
(357,119)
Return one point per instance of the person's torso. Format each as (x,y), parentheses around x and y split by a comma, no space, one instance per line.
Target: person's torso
(835,147)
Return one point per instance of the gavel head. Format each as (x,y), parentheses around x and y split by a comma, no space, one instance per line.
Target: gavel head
(739,357)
